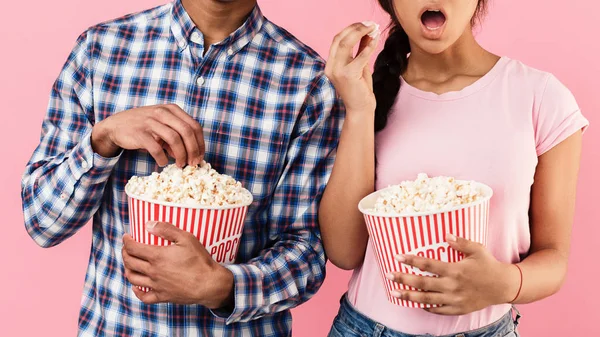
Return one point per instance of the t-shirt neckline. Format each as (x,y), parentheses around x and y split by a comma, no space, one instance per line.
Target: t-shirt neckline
(466,91)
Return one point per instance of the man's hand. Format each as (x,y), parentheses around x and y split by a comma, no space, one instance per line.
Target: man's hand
(156,129)
(182,273)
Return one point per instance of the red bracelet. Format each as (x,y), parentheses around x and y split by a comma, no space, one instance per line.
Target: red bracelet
(520,284)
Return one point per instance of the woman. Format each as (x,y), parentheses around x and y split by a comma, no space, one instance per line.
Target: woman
(439,103)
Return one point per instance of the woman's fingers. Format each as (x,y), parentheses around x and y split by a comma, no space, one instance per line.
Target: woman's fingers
(341,52)
(428,283)
(361,61)
(423,297)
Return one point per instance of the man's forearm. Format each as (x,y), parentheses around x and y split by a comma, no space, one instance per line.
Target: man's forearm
(62,193)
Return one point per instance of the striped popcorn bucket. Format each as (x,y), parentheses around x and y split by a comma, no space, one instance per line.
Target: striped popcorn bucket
(421,234)
(218,228)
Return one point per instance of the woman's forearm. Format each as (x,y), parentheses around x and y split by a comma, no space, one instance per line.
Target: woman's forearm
(544,272)
(353,177)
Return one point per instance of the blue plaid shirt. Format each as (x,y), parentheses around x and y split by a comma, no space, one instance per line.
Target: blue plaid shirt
(271,120)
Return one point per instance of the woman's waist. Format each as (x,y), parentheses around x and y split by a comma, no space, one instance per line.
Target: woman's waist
(367,296)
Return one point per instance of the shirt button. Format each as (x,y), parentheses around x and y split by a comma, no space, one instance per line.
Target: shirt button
(229,51)
(84,164)
(181,44)
(63,196)
(200,81)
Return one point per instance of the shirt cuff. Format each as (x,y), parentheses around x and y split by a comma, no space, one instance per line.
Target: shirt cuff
(248,295)
(88,165)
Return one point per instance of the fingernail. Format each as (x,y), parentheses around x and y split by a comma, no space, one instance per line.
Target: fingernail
(400,258)
(389,276)
(450,237)
(150,224)
(396,294)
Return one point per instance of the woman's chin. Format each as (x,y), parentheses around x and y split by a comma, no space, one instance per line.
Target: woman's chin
(433,47)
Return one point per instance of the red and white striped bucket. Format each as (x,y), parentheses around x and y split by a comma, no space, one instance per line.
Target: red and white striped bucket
(422,234)
(218,228)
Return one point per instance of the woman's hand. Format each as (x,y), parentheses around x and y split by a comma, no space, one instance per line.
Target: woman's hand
(350,74)
(474,283)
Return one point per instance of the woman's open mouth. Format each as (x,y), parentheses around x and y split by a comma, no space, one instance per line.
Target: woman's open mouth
(433,20)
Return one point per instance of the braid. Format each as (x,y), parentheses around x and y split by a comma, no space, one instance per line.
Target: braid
(390,64)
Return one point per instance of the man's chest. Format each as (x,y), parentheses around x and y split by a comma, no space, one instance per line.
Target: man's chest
(248,109)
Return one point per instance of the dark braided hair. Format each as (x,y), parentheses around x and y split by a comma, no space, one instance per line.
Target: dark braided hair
(392,62)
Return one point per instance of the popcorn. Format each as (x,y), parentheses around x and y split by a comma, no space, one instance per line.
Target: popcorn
(375,32)
(192,185)
(427,195)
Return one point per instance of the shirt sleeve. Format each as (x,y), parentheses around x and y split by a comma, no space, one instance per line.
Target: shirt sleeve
(64,180)
(557,117)
(292,270)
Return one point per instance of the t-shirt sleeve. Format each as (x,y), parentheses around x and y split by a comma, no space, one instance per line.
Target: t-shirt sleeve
(557,117)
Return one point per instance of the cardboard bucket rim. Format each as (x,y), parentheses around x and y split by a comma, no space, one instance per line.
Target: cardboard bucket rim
(189,206)
(365,206)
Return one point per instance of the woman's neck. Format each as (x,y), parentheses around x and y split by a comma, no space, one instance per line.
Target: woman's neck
(466,58)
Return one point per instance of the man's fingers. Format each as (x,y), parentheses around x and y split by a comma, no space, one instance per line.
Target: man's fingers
(166,231)
(170,138)
(150,297)
(196,128)
(140,250)
(135,264)
(167,116)
(169,150)
(137,279)
(155,149)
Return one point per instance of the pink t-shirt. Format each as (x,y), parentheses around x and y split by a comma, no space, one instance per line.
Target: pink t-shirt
(491,131)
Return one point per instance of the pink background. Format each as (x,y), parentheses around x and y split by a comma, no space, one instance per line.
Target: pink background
(40,289)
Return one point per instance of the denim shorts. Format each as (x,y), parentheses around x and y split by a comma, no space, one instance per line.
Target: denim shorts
(351,323)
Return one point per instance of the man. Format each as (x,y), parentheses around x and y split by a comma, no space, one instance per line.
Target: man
(195,79)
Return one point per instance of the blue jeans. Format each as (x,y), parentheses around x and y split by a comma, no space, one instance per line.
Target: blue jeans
(351,323)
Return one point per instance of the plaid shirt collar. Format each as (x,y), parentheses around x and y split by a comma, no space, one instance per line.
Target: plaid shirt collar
(182,28)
